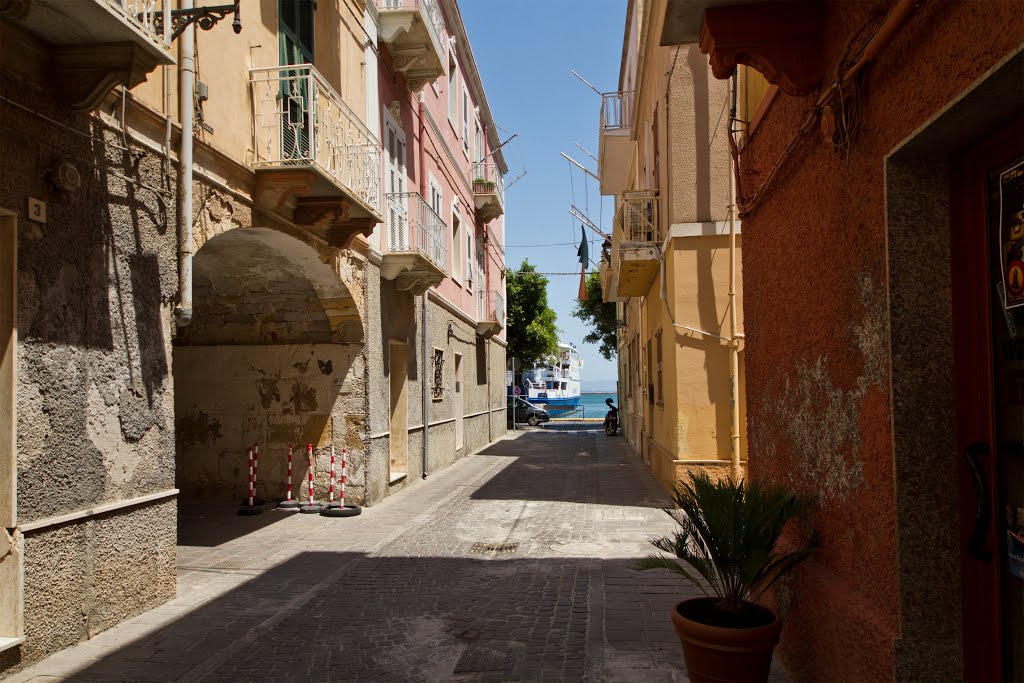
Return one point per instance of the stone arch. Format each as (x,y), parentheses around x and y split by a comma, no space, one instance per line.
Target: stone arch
(273,355)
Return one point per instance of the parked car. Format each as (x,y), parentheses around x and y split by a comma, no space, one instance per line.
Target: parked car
(526,412)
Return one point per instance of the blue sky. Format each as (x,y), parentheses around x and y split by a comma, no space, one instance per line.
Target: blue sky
(524,51)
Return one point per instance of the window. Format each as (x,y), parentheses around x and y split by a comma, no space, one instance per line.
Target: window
(479,141)
(397,214)
(564,384)
(456,248)
(660,384)
(469,260)
(435,197)
(453,86)
(465,121)
(296,47)
(437,387)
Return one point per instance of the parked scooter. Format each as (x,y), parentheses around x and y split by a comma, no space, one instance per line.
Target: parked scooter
(611,420)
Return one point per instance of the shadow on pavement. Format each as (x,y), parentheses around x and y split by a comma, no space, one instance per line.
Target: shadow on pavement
(210,524)
(591,468)
(347,616)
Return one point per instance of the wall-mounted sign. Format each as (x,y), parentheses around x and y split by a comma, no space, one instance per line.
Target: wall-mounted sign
(1011,234)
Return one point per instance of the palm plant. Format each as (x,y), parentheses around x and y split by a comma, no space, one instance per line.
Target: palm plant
(727,537)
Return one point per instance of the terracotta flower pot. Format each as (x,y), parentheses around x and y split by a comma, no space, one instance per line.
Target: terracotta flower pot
(715,654)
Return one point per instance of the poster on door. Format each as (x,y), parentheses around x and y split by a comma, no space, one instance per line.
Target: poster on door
(1015,540)
(1011,234)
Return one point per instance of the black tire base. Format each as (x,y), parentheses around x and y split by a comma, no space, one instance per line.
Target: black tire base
(250,510)
(289,504)
(311,509)
(348,510)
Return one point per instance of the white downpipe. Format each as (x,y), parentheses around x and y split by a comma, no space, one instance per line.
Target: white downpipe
(734,345)
(186,102)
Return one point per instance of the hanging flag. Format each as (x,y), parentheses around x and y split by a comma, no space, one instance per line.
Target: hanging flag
(584,253)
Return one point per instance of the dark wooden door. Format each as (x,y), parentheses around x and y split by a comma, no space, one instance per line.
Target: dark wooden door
(989,371)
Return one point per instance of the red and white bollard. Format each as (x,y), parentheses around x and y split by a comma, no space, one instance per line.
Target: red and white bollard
(330,489)
(251,508)
(340,509)
(344,468)
(288,503)
(312,505)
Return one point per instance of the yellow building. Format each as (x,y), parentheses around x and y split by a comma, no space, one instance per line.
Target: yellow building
(664,155)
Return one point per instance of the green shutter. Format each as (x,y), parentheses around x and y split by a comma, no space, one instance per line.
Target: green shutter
(296,31)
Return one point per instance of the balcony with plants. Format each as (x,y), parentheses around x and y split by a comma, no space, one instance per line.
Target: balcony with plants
(316,162)
(615,146)
(96,45)
(416,250)
(635,252)
(412,30)
(490,314)
(488,191)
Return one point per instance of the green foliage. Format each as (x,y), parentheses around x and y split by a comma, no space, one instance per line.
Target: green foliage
(601,316)
(727,536)
(532,334)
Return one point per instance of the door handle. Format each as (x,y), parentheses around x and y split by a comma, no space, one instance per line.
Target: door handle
(981,514)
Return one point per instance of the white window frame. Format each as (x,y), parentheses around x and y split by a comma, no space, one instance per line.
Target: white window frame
(453,86)
(470,260)
(465,123)
(478,138)
(435,190)
(390,122)
(456,242)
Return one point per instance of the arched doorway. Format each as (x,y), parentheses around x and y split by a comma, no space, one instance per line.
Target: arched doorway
(267,358)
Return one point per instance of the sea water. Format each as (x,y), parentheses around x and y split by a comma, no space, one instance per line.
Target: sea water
(592,405)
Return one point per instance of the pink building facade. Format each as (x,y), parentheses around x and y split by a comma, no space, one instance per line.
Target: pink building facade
(440,249)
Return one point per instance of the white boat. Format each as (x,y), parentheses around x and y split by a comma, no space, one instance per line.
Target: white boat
(555,385)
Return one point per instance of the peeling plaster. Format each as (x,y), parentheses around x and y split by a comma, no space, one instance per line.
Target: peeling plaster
(819,421)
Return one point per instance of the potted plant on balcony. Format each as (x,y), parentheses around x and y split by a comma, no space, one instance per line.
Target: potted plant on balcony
(482,185)
(726,546)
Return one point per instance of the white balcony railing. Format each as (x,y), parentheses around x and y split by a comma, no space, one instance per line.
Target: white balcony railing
(616,110)
(487,179)
(490,305)
(300,120)
(146,15)
(435,20)
(637,217)
(414,227)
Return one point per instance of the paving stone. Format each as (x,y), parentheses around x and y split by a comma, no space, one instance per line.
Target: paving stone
(397,593)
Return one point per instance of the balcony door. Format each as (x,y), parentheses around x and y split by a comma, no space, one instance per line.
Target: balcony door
(296,39)
(398,203)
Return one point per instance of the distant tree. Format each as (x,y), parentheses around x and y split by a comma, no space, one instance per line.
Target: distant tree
(601,316)
(532,334)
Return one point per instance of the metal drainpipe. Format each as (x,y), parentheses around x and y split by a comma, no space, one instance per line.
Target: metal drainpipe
(734,346)
(186,101)
(424,375)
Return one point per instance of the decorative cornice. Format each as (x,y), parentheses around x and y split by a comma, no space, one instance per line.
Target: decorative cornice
(782,40)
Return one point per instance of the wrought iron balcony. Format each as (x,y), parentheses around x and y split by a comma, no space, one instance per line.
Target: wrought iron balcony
(95,45)
(490,314)
(488,191)
(615,148)
(635,249)
(412,30)
(416,253)
(317,164)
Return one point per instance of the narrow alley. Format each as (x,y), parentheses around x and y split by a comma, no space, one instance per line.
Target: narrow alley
(404,593)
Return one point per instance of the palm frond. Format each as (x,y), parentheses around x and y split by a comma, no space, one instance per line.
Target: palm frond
(727,535)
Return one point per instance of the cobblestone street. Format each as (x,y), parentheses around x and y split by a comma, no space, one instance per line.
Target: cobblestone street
(401,594)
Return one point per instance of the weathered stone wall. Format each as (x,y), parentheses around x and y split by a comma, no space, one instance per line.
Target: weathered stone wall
(94,393)
(231,397)
(483,373)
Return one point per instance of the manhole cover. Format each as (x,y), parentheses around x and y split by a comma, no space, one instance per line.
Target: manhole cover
(484,548)
(481,660)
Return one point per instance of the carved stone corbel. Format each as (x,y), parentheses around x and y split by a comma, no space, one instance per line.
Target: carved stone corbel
(85,74)
(782,40)
(274,191)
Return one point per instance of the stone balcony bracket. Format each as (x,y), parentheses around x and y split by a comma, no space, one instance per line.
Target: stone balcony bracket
(336,220)
(782,40)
